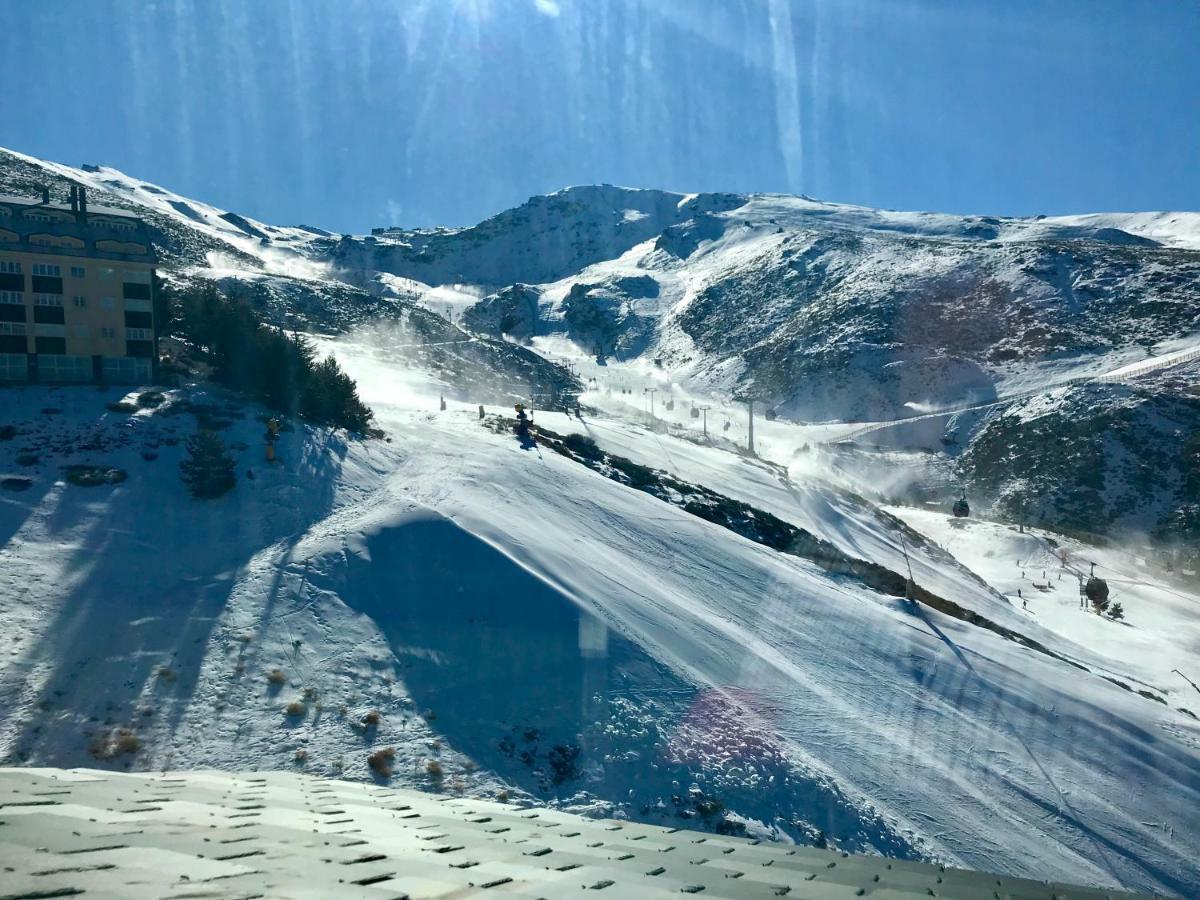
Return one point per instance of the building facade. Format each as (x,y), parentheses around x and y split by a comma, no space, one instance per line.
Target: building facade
(76,293)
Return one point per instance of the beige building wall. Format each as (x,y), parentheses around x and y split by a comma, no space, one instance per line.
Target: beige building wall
(97,327)
(78,282)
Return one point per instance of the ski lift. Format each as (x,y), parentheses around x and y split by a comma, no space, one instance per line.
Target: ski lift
(726,426)
(670,405)
(961,508)
(769,415)
(1096,590)
(695,412)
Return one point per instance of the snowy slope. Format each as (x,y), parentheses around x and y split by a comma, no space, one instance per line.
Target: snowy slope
(1160,633)
(494,605)
(218,238)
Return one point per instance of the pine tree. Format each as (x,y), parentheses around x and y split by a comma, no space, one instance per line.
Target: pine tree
(271,366)
(1116,612)
(208,470)
(331,398)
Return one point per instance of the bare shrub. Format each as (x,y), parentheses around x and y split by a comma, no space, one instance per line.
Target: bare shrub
(276,676)
(433,768)
(381,762)
(372,718)
(114,743)
(296,709)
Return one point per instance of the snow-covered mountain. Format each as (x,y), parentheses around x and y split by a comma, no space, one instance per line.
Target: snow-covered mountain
(630,617)
(825,311)
(831,312)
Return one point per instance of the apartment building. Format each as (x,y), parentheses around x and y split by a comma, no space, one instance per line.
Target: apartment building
(76,292)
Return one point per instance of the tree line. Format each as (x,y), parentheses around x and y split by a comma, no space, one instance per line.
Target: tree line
(267,364)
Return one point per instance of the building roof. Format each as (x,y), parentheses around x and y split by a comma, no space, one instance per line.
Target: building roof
(15,200)
(282,834)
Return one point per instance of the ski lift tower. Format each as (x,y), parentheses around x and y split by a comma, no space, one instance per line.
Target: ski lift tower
(749,400)
(651,392)
(704,418)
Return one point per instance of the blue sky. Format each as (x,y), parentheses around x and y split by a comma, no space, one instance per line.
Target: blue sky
(353,113)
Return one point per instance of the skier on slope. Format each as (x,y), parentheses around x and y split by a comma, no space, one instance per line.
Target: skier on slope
(523,421)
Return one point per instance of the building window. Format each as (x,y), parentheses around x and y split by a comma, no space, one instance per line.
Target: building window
(47,269)
(135,291)
(14,297)
(108,332)
(78,272)
(10,268)
(114,226)
(62,367)
(37,217)
(50,345)
(106,302)
(138,334)
(47,299)
(81,302)
(49,315)
(46,284)
(124,369)
(12,328)
(136,319)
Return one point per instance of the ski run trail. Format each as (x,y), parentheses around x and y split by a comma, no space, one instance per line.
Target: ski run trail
(522,624)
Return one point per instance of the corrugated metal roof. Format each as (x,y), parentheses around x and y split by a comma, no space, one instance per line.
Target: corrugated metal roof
(280,834)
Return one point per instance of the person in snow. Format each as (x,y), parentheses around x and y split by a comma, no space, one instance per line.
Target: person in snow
(523,420)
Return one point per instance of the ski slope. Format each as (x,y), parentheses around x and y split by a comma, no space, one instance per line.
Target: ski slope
(831,665)
(1161,631)
(474,594)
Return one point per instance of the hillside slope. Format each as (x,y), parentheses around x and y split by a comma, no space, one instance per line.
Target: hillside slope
(521,620)
(274,270)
